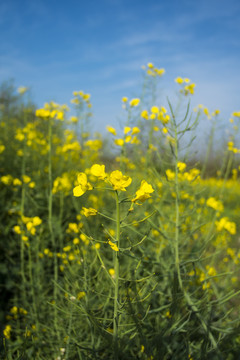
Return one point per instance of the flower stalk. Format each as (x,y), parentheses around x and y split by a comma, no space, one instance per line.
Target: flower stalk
(116,289)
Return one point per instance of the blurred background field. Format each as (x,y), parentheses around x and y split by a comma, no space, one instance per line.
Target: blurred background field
(173,258)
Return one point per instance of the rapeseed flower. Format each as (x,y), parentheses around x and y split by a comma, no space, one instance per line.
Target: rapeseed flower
(22,89)
(127,129)
(113,246)
(135,130)
(119,181)
(83,185)
(7,331)
(119,142)
(215,204)
(89,212)
(143,193)
(144,114)
(134,102)
(111,130)
(179,80)
(98,171)
(181,166)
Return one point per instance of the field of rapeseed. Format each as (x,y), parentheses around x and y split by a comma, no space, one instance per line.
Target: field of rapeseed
(133,255)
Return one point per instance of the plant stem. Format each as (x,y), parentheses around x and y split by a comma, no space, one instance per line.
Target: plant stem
(50,222)
(116,290)
(177,220)
(23,169)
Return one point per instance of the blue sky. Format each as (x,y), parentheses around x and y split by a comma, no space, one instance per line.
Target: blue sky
(99,46)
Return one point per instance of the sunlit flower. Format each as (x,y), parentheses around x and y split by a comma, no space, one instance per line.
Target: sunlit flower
(98,171)
(21,90)
(143,193)
(119,142)
(127,129)
(89,212)
(135,130)
(155,110)
(119,181)
(144,114)
(179,80)
(181,166)
(113,246)
(134,102)
(83,185)
(111,130)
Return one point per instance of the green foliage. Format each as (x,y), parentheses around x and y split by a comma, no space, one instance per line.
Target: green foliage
(142,263)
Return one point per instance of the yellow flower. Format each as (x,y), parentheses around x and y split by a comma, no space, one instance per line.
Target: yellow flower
(119,142)
(17,182)
(119,181)
(179,80)
(170,174)
(111,272)
(144,114)
(135,140)
(150,65)
(36,221)
(215,204)
(155,110)
(26,179)
(86,97)
(67,248)
(134,102)
(128,138)
(152,116)
(80,295)
(21,90)
(160,72)
(189,89)
(75,241)
(17,229)
(111,130)
(83,185)
(127,129)
(98,171)
(236,113)
(181,166)
(143,192)
(89,212)
(14,310)
(135,130)
(7,331)
(74,119)
(124,99)
(113,246)
(6,179)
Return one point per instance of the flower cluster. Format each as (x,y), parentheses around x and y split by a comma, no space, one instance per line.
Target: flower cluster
(159,113)
(52,111)
(187,87)
(151,70)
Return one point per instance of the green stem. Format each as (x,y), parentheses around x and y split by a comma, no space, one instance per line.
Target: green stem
(31,284)
(23,169)
(116,290)
(50,222)
(177,221)
(69,331)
